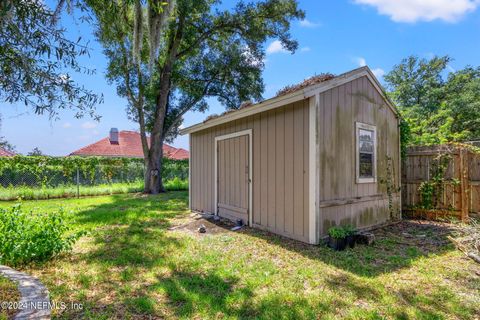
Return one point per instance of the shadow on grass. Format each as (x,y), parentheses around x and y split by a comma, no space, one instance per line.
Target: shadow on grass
(211,295)
(396,247)
(132,236)
(132,208)
(133,223)
(131,231)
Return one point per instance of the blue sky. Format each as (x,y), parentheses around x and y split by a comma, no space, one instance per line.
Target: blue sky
(335,37)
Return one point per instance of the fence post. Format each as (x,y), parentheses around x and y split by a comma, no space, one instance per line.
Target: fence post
(464,188)
(78,183)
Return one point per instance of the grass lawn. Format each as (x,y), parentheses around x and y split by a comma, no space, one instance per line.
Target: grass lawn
(8,293)
(70,191)
(133,266)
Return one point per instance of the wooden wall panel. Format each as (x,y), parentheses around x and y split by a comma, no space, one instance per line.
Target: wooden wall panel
(280,168)
(289,175)
(280,162)
(342,200)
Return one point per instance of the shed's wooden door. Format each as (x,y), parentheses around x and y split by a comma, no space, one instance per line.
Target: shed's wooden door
(233,178)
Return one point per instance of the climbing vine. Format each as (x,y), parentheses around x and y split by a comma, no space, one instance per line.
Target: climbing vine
(390,185)
(431,191)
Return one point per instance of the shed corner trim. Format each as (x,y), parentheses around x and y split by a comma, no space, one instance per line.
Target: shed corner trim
(312,169)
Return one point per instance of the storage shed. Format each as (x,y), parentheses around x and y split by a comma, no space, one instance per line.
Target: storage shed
(321,153)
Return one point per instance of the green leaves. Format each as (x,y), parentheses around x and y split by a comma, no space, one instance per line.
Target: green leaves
(27,237)
(198,50)
(44,168)
(37,59)
(437,106)
(220,54)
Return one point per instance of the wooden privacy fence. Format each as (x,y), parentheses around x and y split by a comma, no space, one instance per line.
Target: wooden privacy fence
(441,180)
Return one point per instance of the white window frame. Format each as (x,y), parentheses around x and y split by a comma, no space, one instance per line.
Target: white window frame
(364,126)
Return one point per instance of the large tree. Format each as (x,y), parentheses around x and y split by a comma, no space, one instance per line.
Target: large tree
(440,105)
(168,57)
(37,59)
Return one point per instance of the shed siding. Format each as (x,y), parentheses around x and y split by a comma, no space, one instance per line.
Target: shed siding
(280,168)
(341,200)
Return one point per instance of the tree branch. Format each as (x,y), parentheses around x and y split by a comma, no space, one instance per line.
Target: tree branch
(188,107)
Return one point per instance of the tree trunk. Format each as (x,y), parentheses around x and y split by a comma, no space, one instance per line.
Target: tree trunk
(153,175)
(153,172)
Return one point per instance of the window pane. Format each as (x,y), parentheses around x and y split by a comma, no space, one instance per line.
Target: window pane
(366,165)
(366,146)
(366,135)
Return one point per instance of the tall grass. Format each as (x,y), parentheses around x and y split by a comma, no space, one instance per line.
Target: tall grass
(176,184)
(70,191)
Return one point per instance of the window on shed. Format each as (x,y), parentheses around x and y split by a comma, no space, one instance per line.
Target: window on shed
(366,153)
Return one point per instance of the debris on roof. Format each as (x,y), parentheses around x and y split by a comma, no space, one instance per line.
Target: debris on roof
(245,104)
(288,89)
(307,82)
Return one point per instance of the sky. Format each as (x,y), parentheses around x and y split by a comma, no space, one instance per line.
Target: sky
(335,37)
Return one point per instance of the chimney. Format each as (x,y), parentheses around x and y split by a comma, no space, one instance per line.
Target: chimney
(114,136)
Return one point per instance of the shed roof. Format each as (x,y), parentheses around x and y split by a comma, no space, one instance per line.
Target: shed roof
(307,88)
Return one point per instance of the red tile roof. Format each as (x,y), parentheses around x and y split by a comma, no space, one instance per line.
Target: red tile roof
(129,146)
(6,153)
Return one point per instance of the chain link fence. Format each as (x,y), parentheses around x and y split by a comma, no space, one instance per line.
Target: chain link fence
(54,182)
(54,177)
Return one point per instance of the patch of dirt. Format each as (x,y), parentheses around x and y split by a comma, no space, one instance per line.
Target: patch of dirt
(212,226)
(428,235)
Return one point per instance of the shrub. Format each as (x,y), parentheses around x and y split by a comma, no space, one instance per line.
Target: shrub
(45,171)
(176,184)
(337,232)
(349,229)
(27,237)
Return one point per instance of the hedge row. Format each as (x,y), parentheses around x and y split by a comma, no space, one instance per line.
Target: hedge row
(54,171)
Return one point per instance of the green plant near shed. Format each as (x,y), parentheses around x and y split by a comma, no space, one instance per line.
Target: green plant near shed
(338,232)
(27,237)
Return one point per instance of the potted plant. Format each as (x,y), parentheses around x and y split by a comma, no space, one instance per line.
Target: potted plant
(337,238)
(351,235)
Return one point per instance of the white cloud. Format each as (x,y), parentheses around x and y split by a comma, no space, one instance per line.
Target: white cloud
(67,125)
(360,61)
(422,10)
(305,49)
(378,72)
(275,47)
(308,24)
(89,125)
